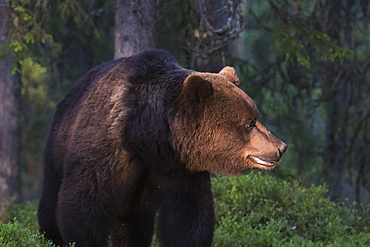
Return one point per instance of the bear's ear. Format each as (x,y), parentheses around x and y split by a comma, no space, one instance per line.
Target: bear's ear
(197,87)
(230,73)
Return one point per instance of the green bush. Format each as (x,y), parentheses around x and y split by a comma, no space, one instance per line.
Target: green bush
(26,214)
(261,210)
(14,234)
(22,229)
(251,210)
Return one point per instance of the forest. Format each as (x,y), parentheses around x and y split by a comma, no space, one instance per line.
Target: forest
(306,64)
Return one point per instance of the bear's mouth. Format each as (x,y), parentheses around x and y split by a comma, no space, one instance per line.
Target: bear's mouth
(262,164)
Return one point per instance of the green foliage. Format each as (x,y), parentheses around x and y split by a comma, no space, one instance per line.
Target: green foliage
(37,106)
(34,85)
(73,8)
(27,19)
(34,50)
(297,40)
(251,210)
(15,235)
(306,65)
(22,229)
(261,210)
(289,40)
(25,215)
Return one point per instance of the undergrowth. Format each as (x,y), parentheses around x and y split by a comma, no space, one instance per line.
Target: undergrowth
(252,210)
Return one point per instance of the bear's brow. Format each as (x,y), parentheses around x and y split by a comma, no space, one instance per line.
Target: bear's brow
(251,107)
(251,113)
(254,109)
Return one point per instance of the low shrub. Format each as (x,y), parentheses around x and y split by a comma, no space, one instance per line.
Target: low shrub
(16,235)
(251,210)
(261,210)
(26,214)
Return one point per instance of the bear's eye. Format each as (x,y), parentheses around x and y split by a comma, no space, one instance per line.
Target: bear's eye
(250,125)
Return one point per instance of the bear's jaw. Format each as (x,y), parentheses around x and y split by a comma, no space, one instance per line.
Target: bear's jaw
(262,164)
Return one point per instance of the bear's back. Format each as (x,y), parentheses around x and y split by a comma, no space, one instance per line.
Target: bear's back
(97,107)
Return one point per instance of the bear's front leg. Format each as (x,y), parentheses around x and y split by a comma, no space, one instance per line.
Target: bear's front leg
(187,215)
(135,230)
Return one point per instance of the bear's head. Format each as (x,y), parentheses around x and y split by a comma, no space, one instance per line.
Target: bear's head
(216,127)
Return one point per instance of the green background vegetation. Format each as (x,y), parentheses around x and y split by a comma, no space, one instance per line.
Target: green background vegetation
(256,209)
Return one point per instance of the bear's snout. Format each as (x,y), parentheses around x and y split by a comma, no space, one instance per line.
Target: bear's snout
(282,149)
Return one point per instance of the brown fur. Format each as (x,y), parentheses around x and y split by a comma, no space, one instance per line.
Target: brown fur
(220,140)
(138,136)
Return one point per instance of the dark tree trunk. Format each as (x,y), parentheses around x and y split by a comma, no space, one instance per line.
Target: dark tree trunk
(209,54)
(336,146)
(9,124)
(219,23)
(336,93)
(335,150)
(135,26)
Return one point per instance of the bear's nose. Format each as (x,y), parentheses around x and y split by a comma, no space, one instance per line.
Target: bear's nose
(282,148)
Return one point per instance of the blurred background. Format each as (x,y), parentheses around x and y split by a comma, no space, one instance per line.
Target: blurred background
(304,62)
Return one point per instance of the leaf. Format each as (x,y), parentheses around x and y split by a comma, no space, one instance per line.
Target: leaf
(29,38)
(16,46)
(16,22)
(19,8)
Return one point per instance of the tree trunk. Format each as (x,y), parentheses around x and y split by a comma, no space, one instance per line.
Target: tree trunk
(336,95)
(135,27)
(335,150)
(219,22)
(9,124)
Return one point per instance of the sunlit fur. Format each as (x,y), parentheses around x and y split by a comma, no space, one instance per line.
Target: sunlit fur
(211,135)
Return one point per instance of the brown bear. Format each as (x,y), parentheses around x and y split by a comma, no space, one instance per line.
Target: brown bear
(139,136)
